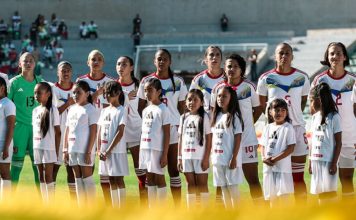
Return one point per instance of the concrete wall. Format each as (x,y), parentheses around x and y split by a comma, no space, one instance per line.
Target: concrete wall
(192,15)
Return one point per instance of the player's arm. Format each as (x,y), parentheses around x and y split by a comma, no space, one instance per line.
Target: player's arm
(354,109)
(141,105)
(57,138)
(166,137)
(337,150)
(257,111)
(289,150)
(304,102)
(92,136)
(117,138)
(10,120)
(263,102)
(237,142)
(181,107)
(65,106)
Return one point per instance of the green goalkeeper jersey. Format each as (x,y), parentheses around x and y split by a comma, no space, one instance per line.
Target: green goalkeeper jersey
(21,92)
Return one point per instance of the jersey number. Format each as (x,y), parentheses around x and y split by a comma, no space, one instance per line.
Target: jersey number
(30,101)
(249,149)
(338,99)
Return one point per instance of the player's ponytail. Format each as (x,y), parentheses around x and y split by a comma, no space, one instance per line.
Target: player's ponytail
(45,117)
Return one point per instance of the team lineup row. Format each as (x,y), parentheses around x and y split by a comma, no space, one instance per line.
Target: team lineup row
(162,124)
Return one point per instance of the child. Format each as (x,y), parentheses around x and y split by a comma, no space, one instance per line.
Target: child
(46,138)
(194,147)
(112,143)
(326,144)
(130,84)
(7,120)
(277,142)
(80,134)
(227,126)
(154,141)
(63,100)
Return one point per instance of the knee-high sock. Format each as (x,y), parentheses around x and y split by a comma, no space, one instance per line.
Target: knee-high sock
(50,191)
(79,185)
(44,192)
(234,193)
(226,197)
(191,200)
(89,187)
(115,198)
(16,167)
(5,189)
(152,195)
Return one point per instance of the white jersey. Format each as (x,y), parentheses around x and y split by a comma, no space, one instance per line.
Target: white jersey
(223,140)
(110,120)
(205,83)
(153,119)
(190,138)
(323,141)
(5,77)
(7,108)
(248,98)
(134,121)
(78,121)
(353,96)
(288,86)
(170,98)
(341,89)
(47,142)
(93,84)
(275,139)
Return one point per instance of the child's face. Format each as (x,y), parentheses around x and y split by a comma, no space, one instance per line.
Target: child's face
(111,99)
(2,90)
(80,96)
(27,63)
(278,114)
(41,95)
(96,62)
(64,73)
(223,98)
(232,69)
(193,102)
(315,103)
(123,67)
(151,93)
(283,55)
(213,58)
(335,56)
(162,61)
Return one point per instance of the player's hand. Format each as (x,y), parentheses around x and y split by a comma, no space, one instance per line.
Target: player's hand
(233,163)
(132,95)
(180,165)
(103,156)
(163,161)
(65,157)
(5,154)
(205,164)
(70,100)
(333,169)
(309,168)
(87,158)
(268,161)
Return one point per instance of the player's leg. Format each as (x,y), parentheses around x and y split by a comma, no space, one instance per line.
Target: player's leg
(140,173)
(21,136)
(115,201)
(161,188)
(5,187)
(79,184)
(43,188)
(71,182)
(48,177)
(202,188)
(122,190)
(191,189)
(175,181)
(151,189)
(251,174)
(89,184)
(30,152)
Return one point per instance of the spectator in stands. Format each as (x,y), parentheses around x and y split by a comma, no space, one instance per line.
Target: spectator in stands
(42,32)
(48,55)
(136,36)
(33,33)
(253,63)
(92,30)
(137,23)
(12,56)
(3,31)
(224,21)
(30,47)
(83,31)
(25,42)
(16,26)
(54,18)
(58,50)
(63,30)
(54,30)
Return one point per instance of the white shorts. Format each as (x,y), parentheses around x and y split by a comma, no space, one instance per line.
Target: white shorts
(347,156)
(224,176)
(249,154)
(301,145)
(276,184)
(321,181)
(150,161)
(116,164)
(77,159)
(133,144)
(44,156)
(193,166)
(60,156)
(173,139)
(11,150)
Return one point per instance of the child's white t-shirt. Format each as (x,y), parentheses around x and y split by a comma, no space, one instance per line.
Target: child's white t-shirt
(275,139)
(47,142)
(223,140)
(153,119)
(323,141)
(7,108)
(110,120)
(191,149)
(78,121)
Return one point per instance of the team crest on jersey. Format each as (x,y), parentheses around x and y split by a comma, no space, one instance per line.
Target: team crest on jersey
(244,94)
(273,82)
(108,118)
(203,85)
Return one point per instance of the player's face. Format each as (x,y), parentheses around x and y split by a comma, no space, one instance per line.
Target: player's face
(162,61)
(41,95)
(279,115)
(193,102)
(2,91)
(123,67)
(232,69)
(80,96)
(27,63)
(151,93)
(65,73)
(336,56)
(315,103)
(223,99)
(96,62)
(283,55)
(213,58)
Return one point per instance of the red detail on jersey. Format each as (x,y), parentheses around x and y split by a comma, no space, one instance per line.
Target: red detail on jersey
(71,139)
(37,138)
(159,77)
(218,151)
(285,74)
(189,150)
(125,84)
(316,79)
(146,139)
(336,78)
(89,77)
(60,87)
(145,77)
(104,141)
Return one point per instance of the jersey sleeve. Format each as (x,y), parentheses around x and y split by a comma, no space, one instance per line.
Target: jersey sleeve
(55,115)
(165,117)
(10,109)
(207,125)
(193,85)
(290,135)
(262,87)
(180,124)
(101,116)
(306,87)
(11,89)
(183,91)
(237,126)
(123,116)
(93,116)
(353,95)
(336,123)
(255,100)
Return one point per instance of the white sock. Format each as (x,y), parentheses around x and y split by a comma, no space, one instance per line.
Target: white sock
(114,198)
(44,193)
(122,197)
(5,189)
(234,194)
(79,185)
(162,194)
(89,187)
(71,187)
(226,197)
(191,200)
(204,199)
(50,191)
(152,194)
